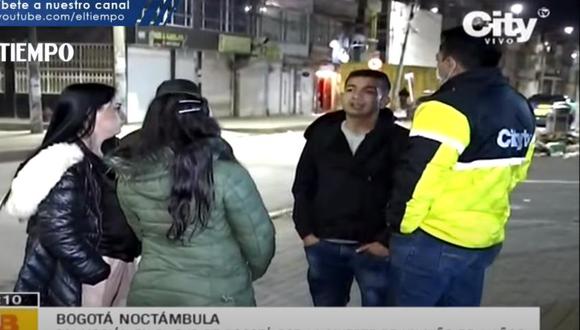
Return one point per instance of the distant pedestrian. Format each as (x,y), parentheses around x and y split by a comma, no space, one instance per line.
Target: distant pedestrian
(405,103)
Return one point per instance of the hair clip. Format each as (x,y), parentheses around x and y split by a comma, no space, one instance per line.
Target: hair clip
(189,110)
(189,101)
(195,109)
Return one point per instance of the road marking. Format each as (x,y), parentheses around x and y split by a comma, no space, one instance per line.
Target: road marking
(553,181)
(522,220)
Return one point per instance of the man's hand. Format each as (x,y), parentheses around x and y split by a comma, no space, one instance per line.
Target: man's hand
(310,240)
(375,248)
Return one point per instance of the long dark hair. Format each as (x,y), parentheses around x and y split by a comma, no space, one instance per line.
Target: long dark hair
(181,123)
(73,117)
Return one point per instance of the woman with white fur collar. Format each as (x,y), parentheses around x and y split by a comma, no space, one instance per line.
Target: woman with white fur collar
(58,192)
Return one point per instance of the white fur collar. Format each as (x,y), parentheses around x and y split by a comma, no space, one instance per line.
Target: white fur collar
(37,178)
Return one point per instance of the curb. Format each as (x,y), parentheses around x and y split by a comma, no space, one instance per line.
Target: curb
(18,126)
(18,155)
(552,149)
(14,155)
(258,131)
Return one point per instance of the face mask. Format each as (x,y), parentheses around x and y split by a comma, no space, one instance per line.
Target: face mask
(438,74)
(442,79)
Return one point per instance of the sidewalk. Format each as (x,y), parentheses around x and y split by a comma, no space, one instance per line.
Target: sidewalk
(284,285)
(245,124)
(16,142)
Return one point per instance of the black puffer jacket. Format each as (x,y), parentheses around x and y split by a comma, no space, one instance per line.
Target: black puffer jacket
(58,192)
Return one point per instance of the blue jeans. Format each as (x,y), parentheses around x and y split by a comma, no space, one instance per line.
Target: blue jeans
(332,268)
(426,271)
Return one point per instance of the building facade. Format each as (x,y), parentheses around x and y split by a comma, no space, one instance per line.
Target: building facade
(250,58)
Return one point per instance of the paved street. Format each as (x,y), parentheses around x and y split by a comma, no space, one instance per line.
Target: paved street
(538,265)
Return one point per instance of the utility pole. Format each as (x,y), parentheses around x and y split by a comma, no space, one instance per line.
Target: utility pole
(34,88)
(359,29)
(394,92)
(234,64)
(543,69)
(385,29)
(575,71)
(120,66)
(10,87)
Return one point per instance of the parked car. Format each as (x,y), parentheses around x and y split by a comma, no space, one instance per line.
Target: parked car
(544,104)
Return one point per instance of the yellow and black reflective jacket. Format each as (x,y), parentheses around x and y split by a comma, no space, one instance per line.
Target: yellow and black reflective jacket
(471,143)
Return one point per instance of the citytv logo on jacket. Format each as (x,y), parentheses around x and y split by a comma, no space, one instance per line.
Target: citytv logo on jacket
(510,138)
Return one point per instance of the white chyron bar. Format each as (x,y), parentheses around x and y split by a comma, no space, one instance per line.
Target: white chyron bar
(42,52)
(290,318)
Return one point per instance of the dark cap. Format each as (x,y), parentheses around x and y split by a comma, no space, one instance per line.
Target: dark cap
(178,86)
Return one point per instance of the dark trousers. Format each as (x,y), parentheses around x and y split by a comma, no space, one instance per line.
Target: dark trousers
(332,268)
(426,271)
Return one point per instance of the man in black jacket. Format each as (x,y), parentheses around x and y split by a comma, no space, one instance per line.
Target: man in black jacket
(341,189)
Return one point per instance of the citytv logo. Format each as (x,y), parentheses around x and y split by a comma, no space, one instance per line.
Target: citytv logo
(504,27)
(510,138)
(9,322)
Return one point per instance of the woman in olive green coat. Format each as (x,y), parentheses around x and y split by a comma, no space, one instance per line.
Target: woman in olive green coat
(205,231)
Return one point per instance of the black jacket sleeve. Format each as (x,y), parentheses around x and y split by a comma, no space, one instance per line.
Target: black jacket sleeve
(59,217)
(399,143)
(303,190)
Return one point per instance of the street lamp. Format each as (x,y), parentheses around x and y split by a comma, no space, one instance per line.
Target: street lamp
(375,63)
(569,29)
(517,8)
(344,57)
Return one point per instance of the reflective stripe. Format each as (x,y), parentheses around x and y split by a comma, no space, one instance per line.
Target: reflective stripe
(440,138)
(489,163)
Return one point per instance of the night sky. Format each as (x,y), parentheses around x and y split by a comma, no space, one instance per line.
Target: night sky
(563,13)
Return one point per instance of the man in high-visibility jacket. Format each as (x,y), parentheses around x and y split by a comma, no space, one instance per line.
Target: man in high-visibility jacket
(471,143)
